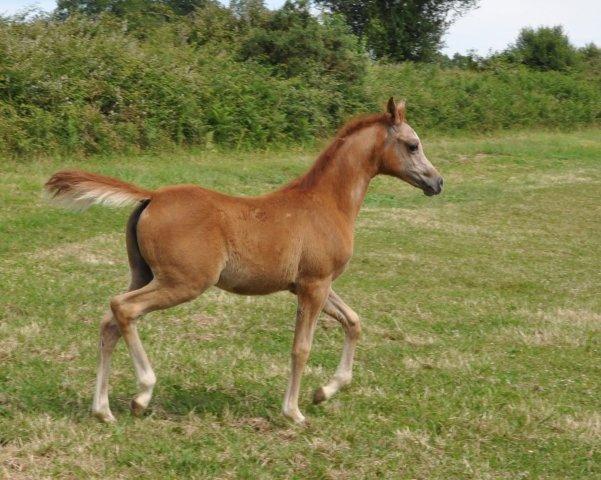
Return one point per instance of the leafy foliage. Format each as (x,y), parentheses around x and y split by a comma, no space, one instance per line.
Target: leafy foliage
(400,29)
(501,96)
(87,85)
(323,53)
(129,7)
(247,77)
(545,48)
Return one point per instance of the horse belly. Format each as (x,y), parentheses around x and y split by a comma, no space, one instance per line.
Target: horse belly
(248,276)
(252,283)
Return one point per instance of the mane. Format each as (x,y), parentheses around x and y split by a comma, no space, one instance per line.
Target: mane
(325,157)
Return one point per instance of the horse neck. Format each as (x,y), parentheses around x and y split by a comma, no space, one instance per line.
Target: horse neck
(347,174)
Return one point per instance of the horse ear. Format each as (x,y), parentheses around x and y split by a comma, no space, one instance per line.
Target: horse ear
(391,108)
(400,110)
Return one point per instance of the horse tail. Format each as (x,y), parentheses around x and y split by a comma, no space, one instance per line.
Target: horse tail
(140,270)
(78,190)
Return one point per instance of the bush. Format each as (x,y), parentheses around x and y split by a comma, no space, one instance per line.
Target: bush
(447,100)
(87,85)
(295,44)
(247,78)
(546,48)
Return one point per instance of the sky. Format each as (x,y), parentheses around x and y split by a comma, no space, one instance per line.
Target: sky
(491,27)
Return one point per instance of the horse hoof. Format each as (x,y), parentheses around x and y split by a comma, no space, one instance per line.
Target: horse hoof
(105,417)
(319,396)
(136,409)
(296,416)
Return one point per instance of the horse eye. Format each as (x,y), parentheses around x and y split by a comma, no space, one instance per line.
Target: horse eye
(414,147)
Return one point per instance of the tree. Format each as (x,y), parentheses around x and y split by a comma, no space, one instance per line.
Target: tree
(296,43)
(545,48)
(124,8)
(590,52)
(400,29)
(590,57)
(322,52)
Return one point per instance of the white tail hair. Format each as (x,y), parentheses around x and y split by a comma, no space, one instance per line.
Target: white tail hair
(78,190)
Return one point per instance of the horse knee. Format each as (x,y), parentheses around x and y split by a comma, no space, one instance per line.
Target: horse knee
(109,331)
(354,326)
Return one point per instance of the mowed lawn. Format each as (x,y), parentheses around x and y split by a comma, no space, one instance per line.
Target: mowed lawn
(481,352)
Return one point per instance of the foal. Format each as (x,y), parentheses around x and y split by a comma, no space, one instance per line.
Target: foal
(183,239)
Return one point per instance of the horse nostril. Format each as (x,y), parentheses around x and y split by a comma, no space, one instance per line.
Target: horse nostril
(440,182)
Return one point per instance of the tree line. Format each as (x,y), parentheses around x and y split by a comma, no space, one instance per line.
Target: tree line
(390,30)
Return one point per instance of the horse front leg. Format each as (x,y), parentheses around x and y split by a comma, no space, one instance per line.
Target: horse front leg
(311,298)
(351,323)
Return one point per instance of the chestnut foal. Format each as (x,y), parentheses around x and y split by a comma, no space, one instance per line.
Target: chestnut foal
(183,239)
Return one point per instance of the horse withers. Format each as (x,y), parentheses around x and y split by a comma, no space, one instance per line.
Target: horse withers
(183,239)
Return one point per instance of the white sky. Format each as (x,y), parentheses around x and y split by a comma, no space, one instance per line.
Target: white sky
(492,26)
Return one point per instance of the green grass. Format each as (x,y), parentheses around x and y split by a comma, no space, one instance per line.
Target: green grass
(481,354)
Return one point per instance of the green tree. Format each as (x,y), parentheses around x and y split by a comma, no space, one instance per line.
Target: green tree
(124,8)
(545,48)
(590,57)
(400,29)
(322,52)
(296,43)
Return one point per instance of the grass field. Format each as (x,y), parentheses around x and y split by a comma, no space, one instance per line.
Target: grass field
(481,353)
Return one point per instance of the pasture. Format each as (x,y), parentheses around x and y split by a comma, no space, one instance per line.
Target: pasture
(481,347)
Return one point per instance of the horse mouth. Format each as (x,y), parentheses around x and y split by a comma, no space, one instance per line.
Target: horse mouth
(431,188)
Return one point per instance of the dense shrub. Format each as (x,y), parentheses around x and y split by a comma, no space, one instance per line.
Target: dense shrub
(321,52)
(545,48)
(87,85)
(246,78)
(450,99)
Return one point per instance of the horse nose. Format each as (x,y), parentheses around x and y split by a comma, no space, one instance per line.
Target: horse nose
(435,185)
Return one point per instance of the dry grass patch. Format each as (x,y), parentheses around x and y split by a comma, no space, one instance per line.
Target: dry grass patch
(571,317)
(106,249)
(558,327)
(544,180)
(538,337)
(440,219)
(445,360)
(587,426)
(54,443)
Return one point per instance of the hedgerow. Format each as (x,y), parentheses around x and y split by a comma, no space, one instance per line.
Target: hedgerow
(452,99)
(86,85)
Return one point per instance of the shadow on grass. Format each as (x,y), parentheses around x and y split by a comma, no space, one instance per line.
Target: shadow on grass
(171,399)
(251,400)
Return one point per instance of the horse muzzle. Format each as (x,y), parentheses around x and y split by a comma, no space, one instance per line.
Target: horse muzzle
(432,186)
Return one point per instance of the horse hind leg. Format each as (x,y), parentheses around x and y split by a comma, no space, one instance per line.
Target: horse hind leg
(351,323)
(109,336)
(110,333)
(127,308)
